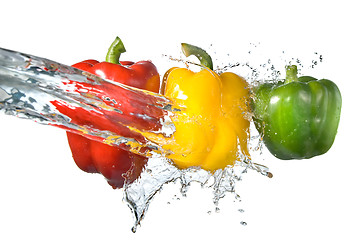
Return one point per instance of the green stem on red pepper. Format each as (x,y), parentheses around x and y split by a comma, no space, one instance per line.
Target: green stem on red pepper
(115,50)
(291,74)
(201,54)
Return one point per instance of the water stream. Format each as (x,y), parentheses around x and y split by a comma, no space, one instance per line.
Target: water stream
(51,93)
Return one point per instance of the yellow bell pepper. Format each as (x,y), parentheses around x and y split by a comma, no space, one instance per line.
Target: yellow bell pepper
(212,131)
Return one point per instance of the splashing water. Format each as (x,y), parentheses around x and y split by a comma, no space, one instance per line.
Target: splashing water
(160,172)
(36,88)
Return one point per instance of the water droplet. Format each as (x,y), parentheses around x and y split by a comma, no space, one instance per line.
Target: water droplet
(217,209)
(269,175)
(241,210)
(243,223)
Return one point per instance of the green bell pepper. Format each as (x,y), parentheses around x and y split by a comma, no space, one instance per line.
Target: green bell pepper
(298,117)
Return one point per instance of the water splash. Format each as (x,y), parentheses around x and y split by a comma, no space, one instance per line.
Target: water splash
(36,88)
(260,62)
(159,172)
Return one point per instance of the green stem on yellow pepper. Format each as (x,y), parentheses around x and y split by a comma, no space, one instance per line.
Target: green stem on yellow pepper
(115,50)
(201,54)
(291,73)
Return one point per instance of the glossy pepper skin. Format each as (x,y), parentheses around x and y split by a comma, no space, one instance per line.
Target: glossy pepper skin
(298,117)
(96,157)
(213,125)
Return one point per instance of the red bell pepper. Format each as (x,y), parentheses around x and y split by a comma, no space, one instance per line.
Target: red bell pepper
(96,157)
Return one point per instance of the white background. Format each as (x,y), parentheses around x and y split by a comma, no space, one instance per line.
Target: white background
(45,196)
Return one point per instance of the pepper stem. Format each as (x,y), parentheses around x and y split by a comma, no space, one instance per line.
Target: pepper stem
(291,74)
(115,50)
(201,54)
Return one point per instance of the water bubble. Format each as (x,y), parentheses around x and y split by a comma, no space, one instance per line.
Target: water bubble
(184,190)
(243,223)
(217,209)
(314,63)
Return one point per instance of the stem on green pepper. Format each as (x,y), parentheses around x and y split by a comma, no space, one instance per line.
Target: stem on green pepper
(115,50)
(201,54)
(291,74)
